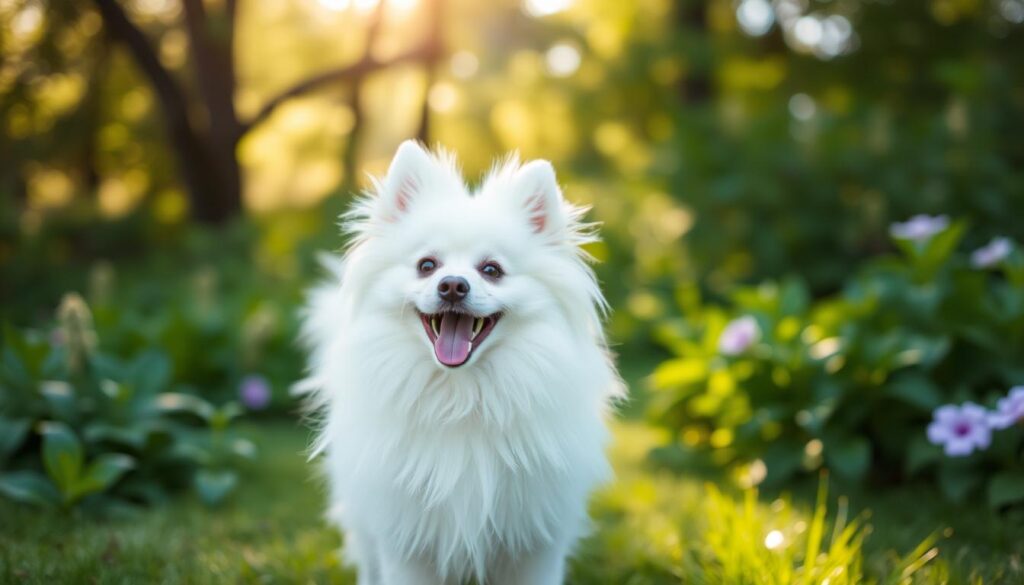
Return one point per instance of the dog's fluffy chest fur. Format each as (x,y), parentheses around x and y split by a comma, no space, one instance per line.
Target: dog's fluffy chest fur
(462,474)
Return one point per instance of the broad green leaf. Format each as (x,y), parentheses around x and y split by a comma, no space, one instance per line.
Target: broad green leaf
(14,370)
(176,402)
(12,434)
(915,389)
(150,372)
(1006,488)
(102,473)
(244,449)
(921,453)
(793,297)
(957,481)
(782,459)
(60,397)
(938,249)
(223,416)
(133,435)
(848,456)
(62,456)
(29,487)
(214,485)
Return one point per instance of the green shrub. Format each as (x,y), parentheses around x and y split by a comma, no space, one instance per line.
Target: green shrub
(790,384)
(81,427)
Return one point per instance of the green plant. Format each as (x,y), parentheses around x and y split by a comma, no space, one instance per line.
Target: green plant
(850,381)
(80,427)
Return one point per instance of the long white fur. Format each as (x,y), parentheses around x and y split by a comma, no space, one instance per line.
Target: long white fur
(439,475)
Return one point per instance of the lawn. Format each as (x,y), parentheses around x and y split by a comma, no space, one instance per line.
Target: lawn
(652,526)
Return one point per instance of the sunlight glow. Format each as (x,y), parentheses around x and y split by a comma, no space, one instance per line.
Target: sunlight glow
(336,5)
(808,31)
(755,17)
(774,540)
(540,8)
(367,5)
(443,97)
(563,59)
(1012,10)
(402,5)
(464,64)
(802,107)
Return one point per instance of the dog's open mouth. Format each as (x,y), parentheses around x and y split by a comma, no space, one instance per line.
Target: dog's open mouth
(454,335)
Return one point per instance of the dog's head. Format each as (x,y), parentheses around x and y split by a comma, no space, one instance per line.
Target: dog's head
(469,270)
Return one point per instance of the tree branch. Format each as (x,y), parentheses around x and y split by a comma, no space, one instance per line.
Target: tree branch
(168,92)
(424,52)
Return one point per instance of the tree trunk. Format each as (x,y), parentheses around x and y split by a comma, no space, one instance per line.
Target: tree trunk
(210,174)
(692,19)
(211,41)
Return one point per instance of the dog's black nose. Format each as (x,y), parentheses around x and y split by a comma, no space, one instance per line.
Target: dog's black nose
(453,288)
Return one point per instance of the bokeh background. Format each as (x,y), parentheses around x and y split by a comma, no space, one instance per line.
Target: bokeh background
(170,168)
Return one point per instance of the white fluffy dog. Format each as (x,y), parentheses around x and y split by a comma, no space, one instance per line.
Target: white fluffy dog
(463,376)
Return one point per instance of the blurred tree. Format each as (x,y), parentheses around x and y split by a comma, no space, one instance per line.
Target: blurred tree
(204,130)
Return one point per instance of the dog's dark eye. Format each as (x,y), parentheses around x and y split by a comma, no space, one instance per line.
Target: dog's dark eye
(492,270)
(426,266)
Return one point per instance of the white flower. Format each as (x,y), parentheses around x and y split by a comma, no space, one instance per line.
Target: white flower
(738,335)
(995,252)
(919,228)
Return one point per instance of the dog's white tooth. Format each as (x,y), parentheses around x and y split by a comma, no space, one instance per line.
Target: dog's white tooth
(435,325)
(478,325)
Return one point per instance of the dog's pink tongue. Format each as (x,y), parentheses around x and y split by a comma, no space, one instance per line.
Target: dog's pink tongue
(452,345)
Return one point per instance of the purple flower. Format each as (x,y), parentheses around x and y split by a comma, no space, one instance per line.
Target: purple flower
(919,228)
(738,335)
(960,429)
(995,252)
(254,392)
(1008,410)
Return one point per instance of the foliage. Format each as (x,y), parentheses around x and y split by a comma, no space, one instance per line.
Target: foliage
(651,528)
(850,381)
(83,427)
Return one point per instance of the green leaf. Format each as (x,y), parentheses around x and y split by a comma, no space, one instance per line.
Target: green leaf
(213,486)
(921,453)
(150,372)
(14,370)
(176,402)
(133,436)
(223,416)
(793,297)
(1006,488)
(62,456)
(103,473)
(848,456)
(957,481)
(244,449)
(29,487)
(60,397)
(938,249)
(782,459)
(915,389)
(12,434)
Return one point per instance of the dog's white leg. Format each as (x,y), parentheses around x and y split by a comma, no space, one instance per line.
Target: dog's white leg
(399,571)
(544,566)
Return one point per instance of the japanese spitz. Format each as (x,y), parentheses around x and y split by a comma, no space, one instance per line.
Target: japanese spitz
(458,360)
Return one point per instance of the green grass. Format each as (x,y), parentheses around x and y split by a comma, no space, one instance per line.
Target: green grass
(651,527)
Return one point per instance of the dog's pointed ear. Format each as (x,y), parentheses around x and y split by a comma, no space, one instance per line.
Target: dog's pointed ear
(405,180)
(537,190)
